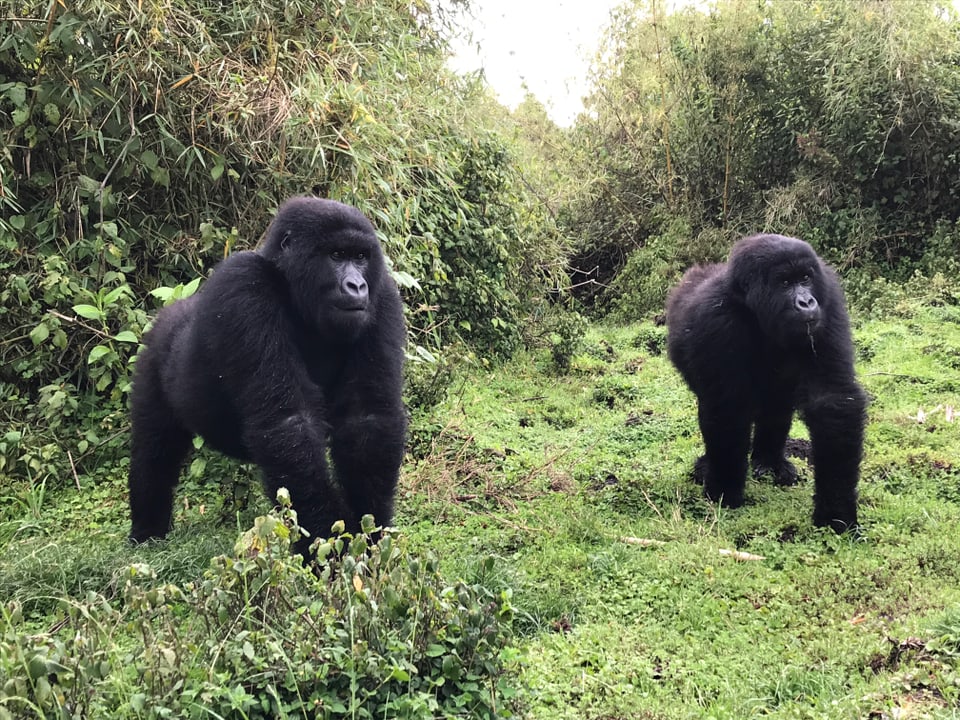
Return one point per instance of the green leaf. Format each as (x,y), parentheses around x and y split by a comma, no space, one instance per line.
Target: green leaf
(149,159)
(111,297)
(426,354)
(88,311)
(88,186)
(52,113)
(40,333)
(109,229)
(126,336)
(98,352)
(405,280)
(18,94)
(161,176)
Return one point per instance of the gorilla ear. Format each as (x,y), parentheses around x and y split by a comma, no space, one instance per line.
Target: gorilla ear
(285,240)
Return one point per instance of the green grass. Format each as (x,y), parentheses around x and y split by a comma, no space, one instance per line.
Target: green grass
(557,476)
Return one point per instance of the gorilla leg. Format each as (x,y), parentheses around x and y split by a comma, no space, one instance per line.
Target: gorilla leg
(771,427)
(836,432)
(159,446)
(726,436)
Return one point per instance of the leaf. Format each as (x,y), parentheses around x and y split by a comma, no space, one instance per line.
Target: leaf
(149,159)
(111,297)
(405,280)
(126,336)
(190,288)
(400,674)
(98,352)
(52,113)
(17,94)
(88,186)
(88,311)
(40,333)
(425,354)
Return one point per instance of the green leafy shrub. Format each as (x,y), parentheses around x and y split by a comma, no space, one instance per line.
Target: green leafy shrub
(130,164)
(832,122)
(372,632)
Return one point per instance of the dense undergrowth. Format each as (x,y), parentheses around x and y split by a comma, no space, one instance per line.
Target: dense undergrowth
(567,533)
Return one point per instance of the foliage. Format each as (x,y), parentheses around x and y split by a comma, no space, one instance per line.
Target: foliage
(132,162)
(831,121)
(374,631)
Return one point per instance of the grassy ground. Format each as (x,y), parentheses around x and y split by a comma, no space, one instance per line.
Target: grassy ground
(628,607)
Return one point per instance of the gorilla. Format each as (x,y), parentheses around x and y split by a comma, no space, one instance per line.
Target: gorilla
(287,352)
(755,338)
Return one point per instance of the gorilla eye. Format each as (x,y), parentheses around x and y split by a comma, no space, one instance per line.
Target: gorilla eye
(785,283)
(361,255)
(337,254)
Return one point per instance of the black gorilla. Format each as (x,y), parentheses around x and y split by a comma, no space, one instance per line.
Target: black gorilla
(756,338)
(285,353)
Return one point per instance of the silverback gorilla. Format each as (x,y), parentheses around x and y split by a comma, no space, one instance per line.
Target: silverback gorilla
(756,338)
(286,352)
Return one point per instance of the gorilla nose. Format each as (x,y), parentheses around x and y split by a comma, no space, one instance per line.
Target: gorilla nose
(807,306)
(355,288)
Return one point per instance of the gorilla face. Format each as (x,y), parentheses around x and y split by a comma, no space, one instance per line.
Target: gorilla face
(334,269)
(782,282)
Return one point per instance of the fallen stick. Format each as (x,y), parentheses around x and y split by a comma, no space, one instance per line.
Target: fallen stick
(648,542)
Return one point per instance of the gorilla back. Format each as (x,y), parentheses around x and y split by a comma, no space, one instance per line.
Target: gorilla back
(756,338)
(286,353)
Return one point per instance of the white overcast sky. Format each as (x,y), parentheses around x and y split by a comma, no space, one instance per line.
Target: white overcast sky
(545,45)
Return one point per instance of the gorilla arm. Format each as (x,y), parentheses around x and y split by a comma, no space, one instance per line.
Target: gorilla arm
(367,443)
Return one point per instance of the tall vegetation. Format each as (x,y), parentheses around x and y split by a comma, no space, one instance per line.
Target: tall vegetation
(141,143)
(835,121)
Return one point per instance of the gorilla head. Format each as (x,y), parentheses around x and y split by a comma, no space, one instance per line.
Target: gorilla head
(330,258)
(781,279)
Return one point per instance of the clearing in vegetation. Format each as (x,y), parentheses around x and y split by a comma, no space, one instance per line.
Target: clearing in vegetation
(564,501)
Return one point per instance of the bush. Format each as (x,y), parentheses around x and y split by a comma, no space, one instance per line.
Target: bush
(373,632)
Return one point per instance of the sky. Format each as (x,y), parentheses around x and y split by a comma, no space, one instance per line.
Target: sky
(543,44)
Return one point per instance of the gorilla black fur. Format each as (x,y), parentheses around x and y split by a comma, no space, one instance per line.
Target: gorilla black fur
(286,352)
(755,338)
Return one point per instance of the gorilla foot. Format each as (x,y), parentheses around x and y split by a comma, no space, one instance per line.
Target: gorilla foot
(783,473)
(838,520)
(728,496)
